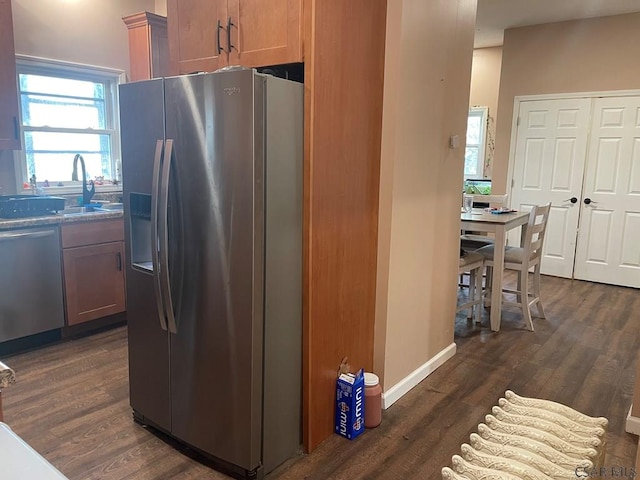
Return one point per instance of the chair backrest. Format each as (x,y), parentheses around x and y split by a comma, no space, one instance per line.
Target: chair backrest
(492,200)
(536,228)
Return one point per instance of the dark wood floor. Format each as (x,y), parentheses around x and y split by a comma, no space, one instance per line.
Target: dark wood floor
(71,400)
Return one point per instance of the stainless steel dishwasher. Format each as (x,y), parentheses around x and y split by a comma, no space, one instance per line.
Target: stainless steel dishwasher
(30,282)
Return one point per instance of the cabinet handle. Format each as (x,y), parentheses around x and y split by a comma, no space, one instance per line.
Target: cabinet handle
(219,48)
(119,261)
(229,25)
(16,128)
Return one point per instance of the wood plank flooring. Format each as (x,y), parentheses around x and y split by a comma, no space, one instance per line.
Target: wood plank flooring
(70,401)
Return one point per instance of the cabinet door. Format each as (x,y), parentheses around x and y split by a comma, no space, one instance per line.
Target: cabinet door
(94,281)
(9,132)
(196,44)
(264,35)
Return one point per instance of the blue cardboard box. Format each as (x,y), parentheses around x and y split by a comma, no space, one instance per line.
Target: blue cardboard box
(350,404)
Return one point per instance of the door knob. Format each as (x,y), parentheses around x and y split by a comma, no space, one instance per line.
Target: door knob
(588,201)
(572,200)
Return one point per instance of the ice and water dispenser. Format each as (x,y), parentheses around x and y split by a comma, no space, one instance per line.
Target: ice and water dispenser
(140,208)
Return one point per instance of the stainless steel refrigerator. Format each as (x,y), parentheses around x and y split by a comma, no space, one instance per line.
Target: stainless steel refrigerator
(212,181)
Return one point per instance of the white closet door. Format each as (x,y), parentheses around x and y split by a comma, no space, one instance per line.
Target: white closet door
(551,146)
(608,247)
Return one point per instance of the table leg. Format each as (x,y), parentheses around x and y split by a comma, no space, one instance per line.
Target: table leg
(496,283)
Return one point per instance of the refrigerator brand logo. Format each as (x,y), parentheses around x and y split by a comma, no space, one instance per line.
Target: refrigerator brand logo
(232,90)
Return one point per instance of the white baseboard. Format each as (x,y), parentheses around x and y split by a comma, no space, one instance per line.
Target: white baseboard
(633,423)
(414,378)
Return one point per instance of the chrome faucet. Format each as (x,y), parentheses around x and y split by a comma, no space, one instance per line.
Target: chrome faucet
(87,193)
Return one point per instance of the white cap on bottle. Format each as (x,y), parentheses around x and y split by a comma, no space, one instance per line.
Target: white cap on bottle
(370,379)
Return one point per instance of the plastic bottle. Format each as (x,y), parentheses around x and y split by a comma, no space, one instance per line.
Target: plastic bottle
(372,400)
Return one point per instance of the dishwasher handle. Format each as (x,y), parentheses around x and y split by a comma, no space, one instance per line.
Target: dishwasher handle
(7,236)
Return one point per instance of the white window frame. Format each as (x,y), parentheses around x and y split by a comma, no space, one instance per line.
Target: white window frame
(483,113)
(112,78)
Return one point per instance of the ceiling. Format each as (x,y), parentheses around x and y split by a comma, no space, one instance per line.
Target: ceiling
(494,16)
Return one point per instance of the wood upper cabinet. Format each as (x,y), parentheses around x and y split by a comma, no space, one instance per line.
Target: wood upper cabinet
(265,33)
(148,46)
(197,35)
(93,262)
(9,131)
(205,35)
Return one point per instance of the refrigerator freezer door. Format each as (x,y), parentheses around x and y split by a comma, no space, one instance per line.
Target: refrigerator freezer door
(216,244)
(142,125)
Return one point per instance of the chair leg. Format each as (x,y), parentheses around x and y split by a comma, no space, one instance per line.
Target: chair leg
(536,290)
(519,290)
(472,293)
(487,286)
(523,275)
(478,295)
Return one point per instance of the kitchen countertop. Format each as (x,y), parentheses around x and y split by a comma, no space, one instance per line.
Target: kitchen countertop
(57,219)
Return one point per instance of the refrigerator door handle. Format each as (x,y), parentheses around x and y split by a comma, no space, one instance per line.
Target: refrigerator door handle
(164,237)
(155,259)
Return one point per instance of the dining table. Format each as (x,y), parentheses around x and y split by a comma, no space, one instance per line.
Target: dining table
(483,220)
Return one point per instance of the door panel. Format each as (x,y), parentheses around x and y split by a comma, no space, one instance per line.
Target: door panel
(265,36)
(597,238)
(90,296)
(555,244)
(630,235)
(551,145)
(195,45)
(215,264)
(607,249)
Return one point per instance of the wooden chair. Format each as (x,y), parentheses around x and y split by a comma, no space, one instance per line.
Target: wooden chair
(7,377)
(469,241)
(492,200)
(522,259)
(472,263)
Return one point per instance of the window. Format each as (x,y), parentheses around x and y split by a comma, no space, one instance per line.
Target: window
(476,139)
(67,110)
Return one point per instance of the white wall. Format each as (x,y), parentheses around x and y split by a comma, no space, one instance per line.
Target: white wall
(80,31)
(485,84)
(485,78)
(426,100)
(161,7)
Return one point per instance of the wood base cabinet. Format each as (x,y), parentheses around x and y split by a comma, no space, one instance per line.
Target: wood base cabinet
(9,128)
(93,262)
(205,35)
